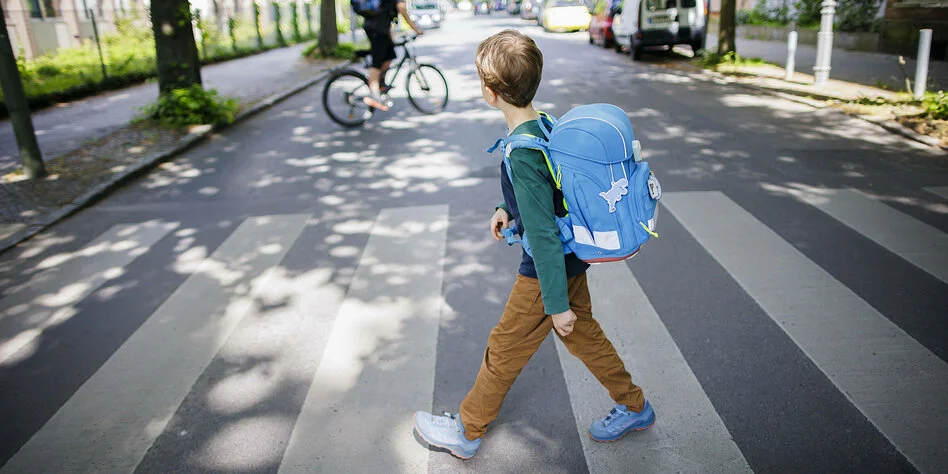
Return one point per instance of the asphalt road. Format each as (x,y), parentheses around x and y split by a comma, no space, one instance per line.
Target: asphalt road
(283,297)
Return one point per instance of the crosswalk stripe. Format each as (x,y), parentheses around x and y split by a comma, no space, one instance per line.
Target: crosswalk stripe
(49,298)
(939,190)
(891,378)
(236,417)
(683,411)
(919,243)
(110,422)
(378,365)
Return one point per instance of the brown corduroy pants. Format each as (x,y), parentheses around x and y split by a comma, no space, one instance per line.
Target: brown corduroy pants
(518,335)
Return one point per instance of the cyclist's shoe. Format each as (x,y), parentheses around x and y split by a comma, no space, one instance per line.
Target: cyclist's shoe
(446,432)
(375,101)
(620,421)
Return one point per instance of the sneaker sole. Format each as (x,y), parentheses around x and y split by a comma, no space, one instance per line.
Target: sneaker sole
(620,437)
(438,445)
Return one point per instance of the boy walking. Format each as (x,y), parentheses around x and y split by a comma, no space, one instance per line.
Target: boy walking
(550,291)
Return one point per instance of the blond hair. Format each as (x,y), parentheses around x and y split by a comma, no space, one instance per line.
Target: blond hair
(511,65)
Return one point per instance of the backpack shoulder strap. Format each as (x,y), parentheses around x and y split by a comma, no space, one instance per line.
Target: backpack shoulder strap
(532,142)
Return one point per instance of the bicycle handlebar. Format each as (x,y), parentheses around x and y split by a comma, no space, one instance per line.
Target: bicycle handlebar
(406,38)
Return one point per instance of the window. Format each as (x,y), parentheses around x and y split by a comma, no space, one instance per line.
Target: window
(36,11)
(653,5)
(688,3)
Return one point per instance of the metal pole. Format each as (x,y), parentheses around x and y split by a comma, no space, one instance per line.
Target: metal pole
(791,54)
(18,107)
(95,33)
(921,65)
(824,43)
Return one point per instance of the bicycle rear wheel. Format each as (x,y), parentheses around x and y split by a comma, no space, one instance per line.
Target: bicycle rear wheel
(427,89)
(342,98)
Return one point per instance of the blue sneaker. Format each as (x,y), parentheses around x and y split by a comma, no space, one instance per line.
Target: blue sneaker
(619,422)
(446,432)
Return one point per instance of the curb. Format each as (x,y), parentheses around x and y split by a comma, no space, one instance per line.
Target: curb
(813,100)
(148,163)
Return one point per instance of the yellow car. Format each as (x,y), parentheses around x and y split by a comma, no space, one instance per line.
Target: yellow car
(564,15)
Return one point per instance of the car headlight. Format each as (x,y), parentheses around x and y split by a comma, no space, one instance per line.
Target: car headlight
(437,17)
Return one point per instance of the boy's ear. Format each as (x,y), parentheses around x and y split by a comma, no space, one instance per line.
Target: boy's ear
(492,96)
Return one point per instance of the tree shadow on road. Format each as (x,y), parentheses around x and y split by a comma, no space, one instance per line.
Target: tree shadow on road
(698,135)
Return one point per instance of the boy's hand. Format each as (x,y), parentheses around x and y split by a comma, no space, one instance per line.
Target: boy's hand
(564,322)
(497,222)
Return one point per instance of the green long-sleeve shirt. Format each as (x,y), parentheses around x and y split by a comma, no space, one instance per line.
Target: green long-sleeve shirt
(533,202)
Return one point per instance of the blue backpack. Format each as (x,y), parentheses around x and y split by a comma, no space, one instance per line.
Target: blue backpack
(366,8)
(610,194)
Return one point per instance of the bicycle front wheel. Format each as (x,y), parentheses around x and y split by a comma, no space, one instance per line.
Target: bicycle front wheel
(427,89)
(342,98)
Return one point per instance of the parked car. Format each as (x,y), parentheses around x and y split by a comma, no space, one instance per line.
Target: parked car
(639,24)
(530,9)
(482,7)
(564,15)
(426,15)
(600,26)
(514,7)
(500,5)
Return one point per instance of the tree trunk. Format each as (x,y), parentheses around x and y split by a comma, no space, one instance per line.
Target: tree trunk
(175,49)
(12,86)
(727,29)
(328,32)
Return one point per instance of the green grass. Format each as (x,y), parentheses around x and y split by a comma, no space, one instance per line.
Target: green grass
(713,60)
(343,50)
(129,56)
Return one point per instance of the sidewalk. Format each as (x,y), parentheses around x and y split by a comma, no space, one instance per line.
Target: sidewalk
(64,128)
(894,111)
(90,147)
(870,69)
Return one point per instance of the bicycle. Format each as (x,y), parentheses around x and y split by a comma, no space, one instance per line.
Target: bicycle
(348,86)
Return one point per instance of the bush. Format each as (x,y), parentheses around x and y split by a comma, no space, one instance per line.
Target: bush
(712,60)
(936,104)
(192,106)
(73,73)
(342,51)
(762,14)
(858,15)
(808,12)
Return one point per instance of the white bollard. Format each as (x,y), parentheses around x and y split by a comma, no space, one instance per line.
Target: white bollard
(824,43)
(921,65)
(791,54)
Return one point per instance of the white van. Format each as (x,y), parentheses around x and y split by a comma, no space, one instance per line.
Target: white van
(642,23)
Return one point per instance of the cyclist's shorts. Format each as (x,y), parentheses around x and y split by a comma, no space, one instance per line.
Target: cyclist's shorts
(383,48)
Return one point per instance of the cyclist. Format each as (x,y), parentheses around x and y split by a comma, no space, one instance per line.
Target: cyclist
(378,29)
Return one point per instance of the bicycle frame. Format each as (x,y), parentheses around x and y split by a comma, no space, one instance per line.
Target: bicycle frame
(408,57)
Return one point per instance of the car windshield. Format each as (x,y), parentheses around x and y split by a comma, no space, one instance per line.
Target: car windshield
(425,6)
(652,5)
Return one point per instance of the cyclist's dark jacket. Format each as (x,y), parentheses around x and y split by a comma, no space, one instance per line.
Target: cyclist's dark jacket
(383,21)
